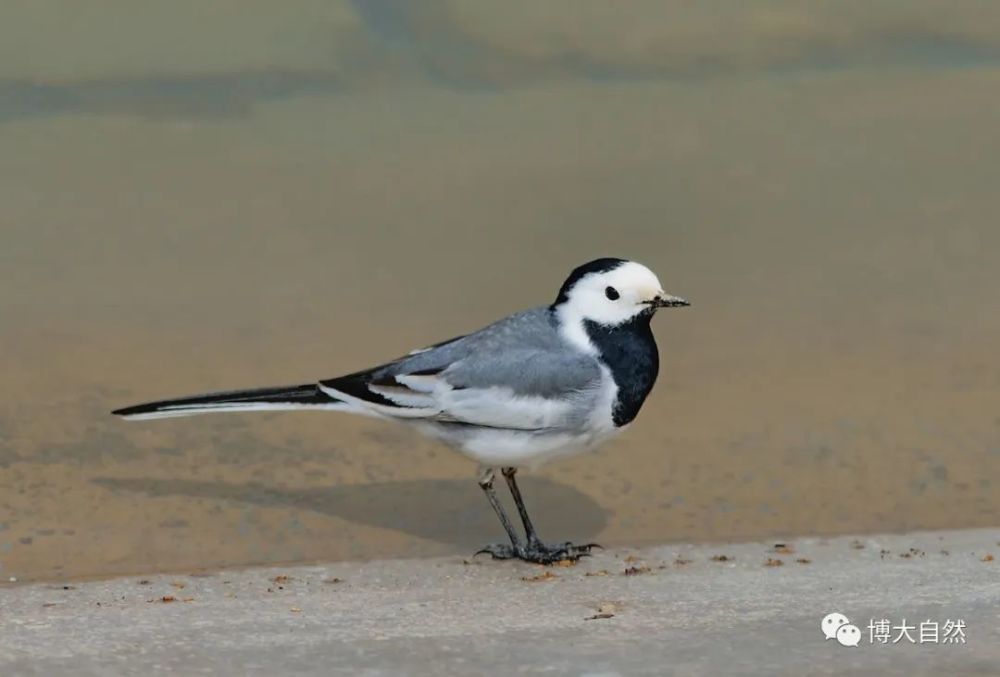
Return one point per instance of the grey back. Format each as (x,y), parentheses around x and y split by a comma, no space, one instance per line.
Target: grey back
(523,352)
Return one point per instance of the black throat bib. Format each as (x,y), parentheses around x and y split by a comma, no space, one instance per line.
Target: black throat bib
(629,351)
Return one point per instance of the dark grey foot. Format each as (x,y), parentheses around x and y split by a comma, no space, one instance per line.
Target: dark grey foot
(498,551)
(538,552)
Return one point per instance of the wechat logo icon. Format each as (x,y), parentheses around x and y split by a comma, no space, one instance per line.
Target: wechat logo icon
(837,626)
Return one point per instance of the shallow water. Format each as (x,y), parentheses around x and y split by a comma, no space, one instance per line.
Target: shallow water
(265,204)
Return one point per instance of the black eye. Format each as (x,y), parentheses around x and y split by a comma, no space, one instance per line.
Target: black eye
(612,293)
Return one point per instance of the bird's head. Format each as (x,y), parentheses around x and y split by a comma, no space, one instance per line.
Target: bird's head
(611,292)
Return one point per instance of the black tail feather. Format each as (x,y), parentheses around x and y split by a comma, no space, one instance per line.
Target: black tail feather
(308,394)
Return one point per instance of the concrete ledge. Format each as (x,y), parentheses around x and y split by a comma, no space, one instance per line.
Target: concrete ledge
(681,609)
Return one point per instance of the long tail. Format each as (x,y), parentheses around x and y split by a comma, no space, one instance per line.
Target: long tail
(307,396)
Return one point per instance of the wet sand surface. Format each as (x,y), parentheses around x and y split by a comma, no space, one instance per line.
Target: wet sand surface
(170,231)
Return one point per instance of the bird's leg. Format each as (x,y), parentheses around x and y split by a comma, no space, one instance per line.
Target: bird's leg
(499,550)
(515,491)
(535,550)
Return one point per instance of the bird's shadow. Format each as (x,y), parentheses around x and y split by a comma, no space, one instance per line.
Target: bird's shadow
(444,510)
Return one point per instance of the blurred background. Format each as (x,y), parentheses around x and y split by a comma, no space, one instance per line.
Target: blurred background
(197,196)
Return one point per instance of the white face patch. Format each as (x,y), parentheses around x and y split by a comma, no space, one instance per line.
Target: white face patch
(609,298)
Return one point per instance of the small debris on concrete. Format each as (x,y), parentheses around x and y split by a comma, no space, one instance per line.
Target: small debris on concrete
(605,610)
(636,571)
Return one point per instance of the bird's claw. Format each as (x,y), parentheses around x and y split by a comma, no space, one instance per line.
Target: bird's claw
(497,551)
(537,552)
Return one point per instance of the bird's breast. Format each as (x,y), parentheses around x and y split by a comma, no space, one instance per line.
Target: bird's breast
(629,352)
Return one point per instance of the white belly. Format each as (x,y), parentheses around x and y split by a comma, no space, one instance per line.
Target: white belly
(521,449)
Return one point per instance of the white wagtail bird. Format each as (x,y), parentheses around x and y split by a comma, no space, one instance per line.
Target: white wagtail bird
(534,386)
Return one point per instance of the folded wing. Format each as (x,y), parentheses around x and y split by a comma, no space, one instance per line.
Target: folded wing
(524,389)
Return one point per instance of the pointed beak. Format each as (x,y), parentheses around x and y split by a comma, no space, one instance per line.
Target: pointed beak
(667,301)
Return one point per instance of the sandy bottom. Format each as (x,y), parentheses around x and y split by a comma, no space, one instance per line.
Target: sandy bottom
(837,372)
